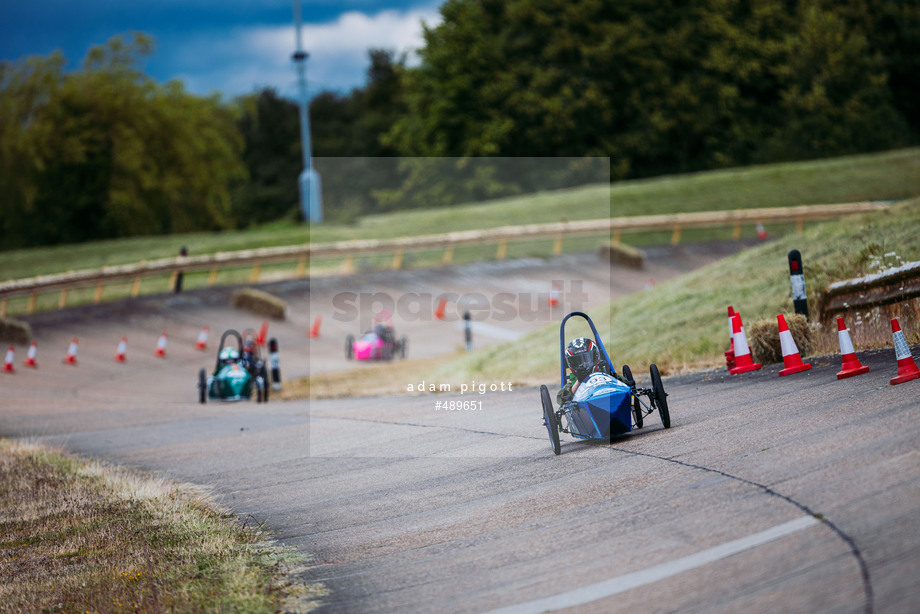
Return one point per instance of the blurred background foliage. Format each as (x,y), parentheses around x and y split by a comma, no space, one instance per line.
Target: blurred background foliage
(658,87)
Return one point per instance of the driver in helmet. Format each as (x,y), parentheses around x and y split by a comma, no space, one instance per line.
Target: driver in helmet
(228,356)
(583,358)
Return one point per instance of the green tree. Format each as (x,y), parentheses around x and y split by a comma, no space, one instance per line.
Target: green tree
(118,155)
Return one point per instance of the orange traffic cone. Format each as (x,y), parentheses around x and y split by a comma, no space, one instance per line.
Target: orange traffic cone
(161,347)
(851,364)
(71,358)
(263,334)
(743,362)
(730,354)
(314,330)
(791,357)
(30,356)
(202,343)
(907,367)
(439,312)
(553,299)
(761,233)
(121,350)
(8,364)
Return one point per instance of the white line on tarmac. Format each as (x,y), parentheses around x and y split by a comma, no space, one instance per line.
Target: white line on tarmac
(610,587)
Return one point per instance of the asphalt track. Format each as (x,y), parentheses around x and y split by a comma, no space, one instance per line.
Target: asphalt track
(768,494)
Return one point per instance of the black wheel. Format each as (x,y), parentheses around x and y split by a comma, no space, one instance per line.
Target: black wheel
(260,388)
(350,347)
(403,347)
(637,407)
(661,397)
(549,417)
(202,386)
(263,373)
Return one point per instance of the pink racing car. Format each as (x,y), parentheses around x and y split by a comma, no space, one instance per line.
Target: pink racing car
(378,344)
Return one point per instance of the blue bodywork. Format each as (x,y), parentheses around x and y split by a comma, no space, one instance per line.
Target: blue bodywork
(602,407)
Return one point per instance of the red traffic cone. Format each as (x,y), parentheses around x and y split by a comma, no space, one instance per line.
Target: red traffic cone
(730,354)
(71,358)
(907,367)
(121,351)
(791,357)
(761,233)
(439,312)
(851,364)
(743,362)
(30,356)
(314,330)
(161,347)
(8,364)
(202,343)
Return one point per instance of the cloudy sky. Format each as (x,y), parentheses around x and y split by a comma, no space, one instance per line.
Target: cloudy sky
(227,46)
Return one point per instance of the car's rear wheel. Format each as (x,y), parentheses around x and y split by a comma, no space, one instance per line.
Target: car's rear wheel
(350,347)
(263,375)
(661,397)
(202,386)
(403,347)
(549,417)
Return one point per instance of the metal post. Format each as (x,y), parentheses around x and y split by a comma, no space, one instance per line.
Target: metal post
(311,203)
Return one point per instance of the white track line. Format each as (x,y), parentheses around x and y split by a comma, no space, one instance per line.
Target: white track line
(607,588)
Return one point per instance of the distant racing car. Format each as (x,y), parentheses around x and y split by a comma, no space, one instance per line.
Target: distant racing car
(240,372)
(602,407)
(377,344)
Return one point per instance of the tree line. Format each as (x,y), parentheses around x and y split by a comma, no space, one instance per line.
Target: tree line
(509,96)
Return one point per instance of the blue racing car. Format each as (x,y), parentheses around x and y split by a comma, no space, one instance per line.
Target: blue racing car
(601,406)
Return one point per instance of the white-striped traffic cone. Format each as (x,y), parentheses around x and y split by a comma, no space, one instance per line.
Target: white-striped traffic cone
(791,358)
(851,364)
(30,356)
(122,350)
(71,358)
(161,347)
(202,343)
(8,364)
(907,367)
(743,362)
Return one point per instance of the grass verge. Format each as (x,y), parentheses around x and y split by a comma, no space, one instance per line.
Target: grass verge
(77,536)
(881,176)
(682,325)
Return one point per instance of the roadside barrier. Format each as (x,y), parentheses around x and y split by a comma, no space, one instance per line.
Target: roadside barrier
(743,362)
(851,365)
(314,330)
(8,364)
(907,367)
(71,358)
(202,343)
(30,356)
(160,352)
(791,357)
(121,350)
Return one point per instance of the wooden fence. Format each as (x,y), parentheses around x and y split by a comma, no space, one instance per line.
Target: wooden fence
(347,250)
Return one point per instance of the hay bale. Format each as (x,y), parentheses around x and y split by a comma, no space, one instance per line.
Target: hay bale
(15,331)
(763,338)
(259,302)
(620,253)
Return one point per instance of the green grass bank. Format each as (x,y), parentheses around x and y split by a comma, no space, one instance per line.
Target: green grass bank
(682,325)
